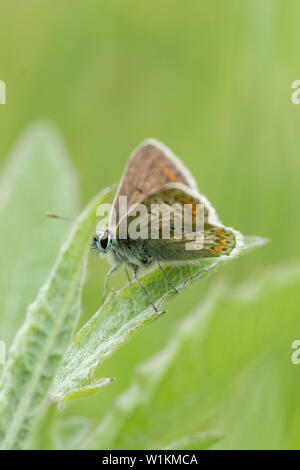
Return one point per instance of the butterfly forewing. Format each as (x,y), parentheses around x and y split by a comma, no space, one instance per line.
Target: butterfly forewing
(151,167)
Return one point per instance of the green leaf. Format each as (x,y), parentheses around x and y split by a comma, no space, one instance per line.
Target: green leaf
(147,380)
(222,363)
(122,315)
(42,433)
(37,177)
(197,441)
(45,335)
(70,431)
(53,433)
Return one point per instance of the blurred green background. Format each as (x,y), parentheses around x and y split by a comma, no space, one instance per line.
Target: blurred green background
(212,80)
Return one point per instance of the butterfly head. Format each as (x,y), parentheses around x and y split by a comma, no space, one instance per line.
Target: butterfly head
(101,242)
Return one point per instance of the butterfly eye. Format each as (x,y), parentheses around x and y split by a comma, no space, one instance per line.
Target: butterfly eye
(104,241)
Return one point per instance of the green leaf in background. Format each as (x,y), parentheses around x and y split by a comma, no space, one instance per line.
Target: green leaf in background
(45,335)
(51,432)
(198,441)
(37,177)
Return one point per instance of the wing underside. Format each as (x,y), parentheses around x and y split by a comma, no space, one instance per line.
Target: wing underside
(151,167)
(170,241)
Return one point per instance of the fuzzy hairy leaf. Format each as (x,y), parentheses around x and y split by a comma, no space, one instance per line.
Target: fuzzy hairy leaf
(37,177)
(121,316)
(45,335)
(224,370)
(194,382)
(147,379)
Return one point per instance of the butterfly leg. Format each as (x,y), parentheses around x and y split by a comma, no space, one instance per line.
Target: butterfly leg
(110,272)
(144,290)
(166,278)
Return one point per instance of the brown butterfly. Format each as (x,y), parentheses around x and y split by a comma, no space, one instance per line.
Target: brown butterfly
(155,177)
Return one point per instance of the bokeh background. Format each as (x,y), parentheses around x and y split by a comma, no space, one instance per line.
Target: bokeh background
(212,80)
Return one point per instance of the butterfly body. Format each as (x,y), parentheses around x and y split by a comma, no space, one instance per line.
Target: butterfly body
(128,253)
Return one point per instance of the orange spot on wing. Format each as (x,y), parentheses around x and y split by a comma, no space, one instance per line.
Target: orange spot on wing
(221,234)
(167,192)
(167,171)
(189,203)
(218,249)
(184,200)
(173,177)
(194,213)
(223,242)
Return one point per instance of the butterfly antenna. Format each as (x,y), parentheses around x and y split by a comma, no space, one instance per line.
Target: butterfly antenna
(54,216)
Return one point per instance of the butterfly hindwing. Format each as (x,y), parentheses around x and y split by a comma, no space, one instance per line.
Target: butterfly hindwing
(167,246)
(218,241)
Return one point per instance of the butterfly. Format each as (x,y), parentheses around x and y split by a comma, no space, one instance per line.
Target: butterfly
(155,177)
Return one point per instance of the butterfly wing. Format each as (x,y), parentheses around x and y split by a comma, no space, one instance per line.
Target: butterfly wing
(216,240)
(151,166)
